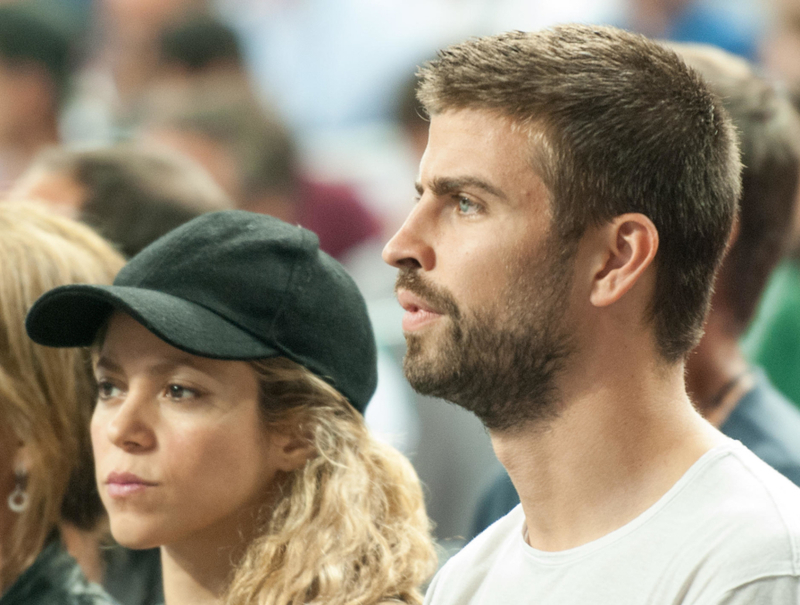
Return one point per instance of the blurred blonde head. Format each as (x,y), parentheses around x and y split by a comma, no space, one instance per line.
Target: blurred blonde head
(46,394)
(349,528)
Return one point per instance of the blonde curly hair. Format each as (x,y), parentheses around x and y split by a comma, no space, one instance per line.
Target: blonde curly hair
(350,526)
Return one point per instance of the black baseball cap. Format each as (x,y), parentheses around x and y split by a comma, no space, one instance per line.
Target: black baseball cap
(230,285)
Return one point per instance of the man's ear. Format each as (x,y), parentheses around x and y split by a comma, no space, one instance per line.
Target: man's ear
(289,451)
(629,245)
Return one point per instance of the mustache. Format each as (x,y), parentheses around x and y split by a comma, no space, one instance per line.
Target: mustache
(409,278)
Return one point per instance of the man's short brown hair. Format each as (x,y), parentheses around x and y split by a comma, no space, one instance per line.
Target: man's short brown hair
(618,124)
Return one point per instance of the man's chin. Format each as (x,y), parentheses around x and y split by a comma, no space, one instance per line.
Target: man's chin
(425,369)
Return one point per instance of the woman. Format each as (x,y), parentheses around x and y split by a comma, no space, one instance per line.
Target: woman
(234,361)
(46,471)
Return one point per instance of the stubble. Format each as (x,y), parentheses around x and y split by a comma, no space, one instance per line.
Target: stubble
(501,363)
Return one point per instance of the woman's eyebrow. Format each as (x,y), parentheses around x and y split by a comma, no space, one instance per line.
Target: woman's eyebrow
(170,365)
(164,367)
(158,367)
(105,363)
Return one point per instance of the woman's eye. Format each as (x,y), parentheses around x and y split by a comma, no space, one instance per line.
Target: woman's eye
(106,390)
(467,206)
(179,393)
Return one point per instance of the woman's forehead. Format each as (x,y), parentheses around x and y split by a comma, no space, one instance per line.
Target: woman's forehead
(129,346)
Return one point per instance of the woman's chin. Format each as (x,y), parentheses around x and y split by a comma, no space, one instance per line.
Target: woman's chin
(133,538)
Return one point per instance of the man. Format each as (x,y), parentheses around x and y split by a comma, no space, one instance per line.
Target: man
(733,395)
(130,194)
(576,196)
(34,76)
(773,337)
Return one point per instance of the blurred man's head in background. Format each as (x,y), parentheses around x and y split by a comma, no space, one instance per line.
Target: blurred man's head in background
(34,79)
(769,130)
(132,195)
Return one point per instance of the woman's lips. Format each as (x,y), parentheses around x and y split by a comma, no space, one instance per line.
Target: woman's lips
(123,485)
(418,313)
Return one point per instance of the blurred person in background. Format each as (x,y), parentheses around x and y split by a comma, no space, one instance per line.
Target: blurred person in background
(198,48)
(412,118)
(780,48)
(732,393)
(733,26)
(253,156)
(127,34)
(773,340)
(335,66)
(34,81)
(234,362)
(201,103)
(131,194)
(46,468)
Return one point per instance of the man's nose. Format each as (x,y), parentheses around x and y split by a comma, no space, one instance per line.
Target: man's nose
(411,246)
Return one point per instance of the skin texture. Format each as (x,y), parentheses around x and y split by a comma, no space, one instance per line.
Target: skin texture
(190,427)
(623,429)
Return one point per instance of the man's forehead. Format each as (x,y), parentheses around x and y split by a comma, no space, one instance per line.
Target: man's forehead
(479,150)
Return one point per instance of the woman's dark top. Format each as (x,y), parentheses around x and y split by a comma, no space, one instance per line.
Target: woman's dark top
(54,579)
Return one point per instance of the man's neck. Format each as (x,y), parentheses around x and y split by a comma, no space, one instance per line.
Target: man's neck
(621,442)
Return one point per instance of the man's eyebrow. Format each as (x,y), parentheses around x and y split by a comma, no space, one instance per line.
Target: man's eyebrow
(445,186)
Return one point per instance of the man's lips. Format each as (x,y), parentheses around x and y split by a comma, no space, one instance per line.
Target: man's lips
(418,313)
(122,485)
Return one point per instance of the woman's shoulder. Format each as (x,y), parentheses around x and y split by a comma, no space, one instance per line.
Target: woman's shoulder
(55,577)
(83,592)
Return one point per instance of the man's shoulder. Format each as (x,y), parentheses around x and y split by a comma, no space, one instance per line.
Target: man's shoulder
(758,509)
(730,521)
(746,536)
(499,536)
(468,568)
(758,489)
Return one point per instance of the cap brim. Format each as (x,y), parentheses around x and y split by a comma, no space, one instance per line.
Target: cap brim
(71,316)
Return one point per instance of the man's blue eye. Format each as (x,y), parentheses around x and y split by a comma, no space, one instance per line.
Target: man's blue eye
(466,206)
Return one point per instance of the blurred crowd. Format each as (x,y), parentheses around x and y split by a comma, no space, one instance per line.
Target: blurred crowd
(135,116)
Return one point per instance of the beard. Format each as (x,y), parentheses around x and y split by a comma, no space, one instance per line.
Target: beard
(499,363)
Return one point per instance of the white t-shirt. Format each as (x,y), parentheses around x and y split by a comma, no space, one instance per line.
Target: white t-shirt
(728,532)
